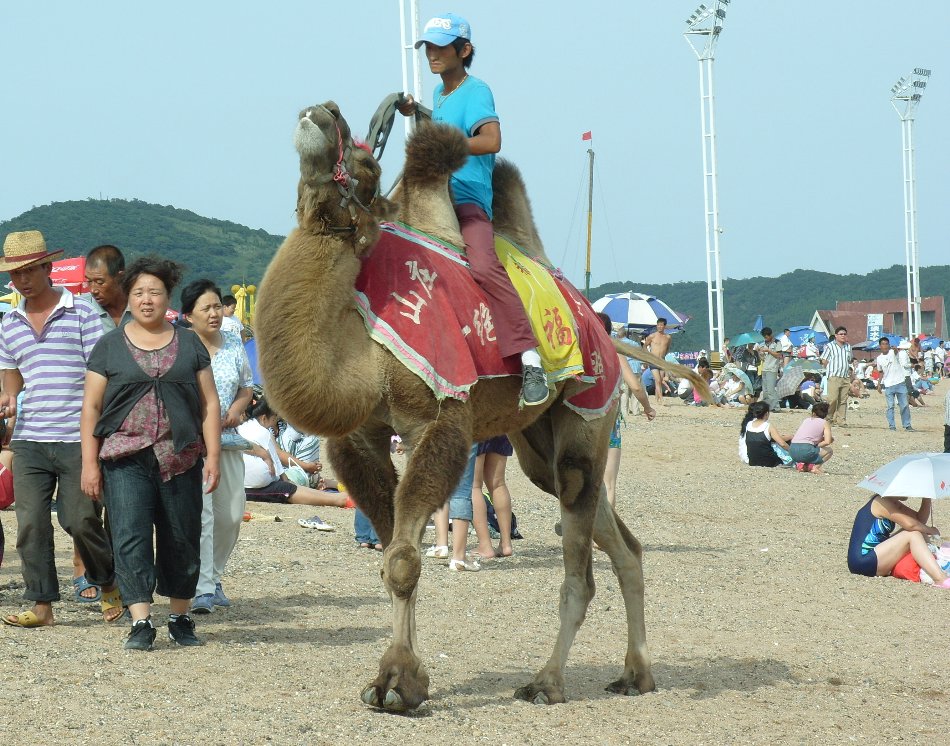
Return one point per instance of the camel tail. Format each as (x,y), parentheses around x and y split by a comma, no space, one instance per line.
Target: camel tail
(680,371)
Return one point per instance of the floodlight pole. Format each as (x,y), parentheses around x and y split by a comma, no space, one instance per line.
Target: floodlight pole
(408,33)
(705,25)
(905,96)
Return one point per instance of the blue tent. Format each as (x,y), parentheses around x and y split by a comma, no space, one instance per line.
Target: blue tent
(759,324)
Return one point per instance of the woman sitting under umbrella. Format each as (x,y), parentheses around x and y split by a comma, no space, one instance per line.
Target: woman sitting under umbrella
(874,548)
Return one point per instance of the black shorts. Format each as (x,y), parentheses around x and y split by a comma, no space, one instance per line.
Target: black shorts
(500,445)
(277,491)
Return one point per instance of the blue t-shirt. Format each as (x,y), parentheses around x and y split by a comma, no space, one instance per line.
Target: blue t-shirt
(468,107)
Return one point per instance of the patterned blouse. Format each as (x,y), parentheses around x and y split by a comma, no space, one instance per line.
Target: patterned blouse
(232,371)
(148,424)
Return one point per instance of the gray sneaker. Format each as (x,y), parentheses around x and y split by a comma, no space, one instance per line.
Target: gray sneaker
(534,386)
(181,631)
(142,636)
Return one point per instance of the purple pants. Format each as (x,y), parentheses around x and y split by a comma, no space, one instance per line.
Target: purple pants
(508,315)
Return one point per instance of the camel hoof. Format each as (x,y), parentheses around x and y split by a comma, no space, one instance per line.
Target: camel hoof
(370,697)
(642,684)
(393,702)
(537,695)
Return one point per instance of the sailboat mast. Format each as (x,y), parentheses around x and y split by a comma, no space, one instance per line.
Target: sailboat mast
(590,216)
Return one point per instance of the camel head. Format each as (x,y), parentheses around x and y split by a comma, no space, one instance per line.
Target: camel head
(338,192)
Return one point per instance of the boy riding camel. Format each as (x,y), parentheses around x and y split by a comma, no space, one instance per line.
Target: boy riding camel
(467,103)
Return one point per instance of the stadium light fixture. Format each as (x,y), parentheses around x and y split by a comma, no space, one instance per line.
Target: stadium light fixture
(703,28)
(905,97)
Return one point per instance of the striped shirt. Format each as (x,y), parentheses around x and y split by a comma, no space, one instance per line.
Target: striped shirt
(53,367)
(839,359)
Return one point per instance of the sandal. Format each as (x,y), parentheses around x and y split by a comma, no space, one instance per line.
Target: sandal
(112,600)
(27,620)
(81,584)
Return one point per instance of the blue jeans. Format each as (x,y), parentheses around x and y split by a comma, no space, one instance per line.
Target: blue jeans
(900,391)
(138,501)
(363,529)
(460,502)
(41,469)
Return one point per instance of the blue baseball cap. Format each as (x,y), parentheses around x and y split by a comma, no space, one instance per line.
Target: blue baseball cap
(443,30)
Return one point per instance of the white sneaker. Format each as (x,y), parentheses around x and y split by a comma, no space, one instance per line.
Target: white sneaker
(435,552)
(465,565)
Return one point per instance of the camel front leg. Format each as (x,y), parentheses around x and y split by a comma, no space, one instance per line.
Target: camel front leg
(626,557)
(403,684)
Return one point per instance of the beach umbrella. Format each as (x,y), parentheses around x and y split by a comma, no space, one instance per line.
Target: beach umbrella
(798,335)
(747,338)
(639,311)
(913,475)
(805,365)
(790,381)
(741,375)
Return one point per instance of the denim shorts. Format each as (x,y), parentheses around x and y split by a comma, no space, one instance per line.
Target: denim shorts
(460,501)
(805,453)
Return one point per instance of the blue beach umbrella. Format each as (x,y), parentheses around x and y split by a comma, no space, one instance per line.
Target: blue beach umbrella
(639,311)
(747,338)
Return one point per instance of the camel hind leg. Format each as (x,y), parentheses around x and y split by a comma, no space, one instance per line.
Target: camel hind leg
(575,478)
(626,557)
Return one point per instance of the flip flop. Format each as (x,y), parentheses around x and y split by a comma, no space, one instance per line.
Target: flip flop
(113,600)
(81,584)
(27,620)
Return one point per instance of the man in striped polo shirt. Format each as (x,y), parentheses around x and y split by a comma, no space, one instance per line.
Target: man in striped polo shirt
(836,359)
(44,345)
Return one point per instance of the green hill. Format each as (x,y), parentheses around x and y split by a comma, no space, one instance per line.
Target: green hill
(225,252)
(788,300)
(230,254)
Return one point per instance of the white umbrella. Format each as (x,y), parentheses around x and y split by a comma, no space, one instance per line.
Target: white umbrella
(639,311)
(913,475)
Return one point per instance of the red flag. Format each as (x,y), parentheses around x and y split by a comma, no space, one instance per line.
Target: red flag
(587,135)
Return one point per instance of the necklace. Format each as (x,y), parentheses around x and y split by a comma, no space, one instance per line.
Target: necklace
(443,95)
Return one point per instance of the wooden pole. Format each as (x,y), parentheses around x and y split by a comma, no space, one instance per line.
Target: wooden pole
(590,218)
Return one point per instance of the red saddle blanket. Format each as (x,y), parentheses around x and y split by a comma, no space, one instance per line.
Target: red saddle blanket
(418,299)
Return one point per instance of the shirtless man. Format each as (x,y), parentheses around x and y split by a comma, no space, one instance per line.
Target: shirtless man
(659,344)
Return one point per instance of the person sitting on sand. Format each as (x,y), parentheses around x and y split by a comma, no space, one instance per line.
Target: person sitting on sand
(757,438)
(261,484)
(811,444)
(874,548)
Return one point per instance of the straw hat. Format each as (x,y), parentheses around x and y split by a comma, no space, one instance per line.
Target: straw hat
(23,248)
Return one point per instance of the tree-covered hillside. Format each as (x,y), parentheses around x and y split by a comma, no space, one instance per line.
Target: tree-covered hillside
(225,252)
(230,254)
(788,300)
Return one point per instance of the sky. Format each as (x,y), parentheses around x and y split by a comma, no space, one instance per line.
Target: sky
(194,105)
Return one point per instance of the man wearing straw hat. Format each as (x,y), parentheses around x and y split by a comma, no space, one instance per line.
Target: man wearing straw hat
(44,344)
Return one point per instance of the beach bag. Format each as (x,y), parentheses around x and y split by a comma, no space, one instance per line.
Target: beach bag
(493,530)
(6,487)
(295,473)
(782,454)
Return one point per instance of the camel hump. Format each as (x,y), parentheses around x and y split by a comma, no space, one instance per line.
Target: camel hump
(513,216)
(435,152)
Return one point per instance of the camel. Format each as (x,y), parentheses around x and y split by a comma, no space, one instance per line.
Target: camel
(324,373)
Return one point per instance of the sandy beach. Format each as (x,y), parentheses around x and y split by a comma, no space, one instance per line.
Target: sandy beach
(758,633)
